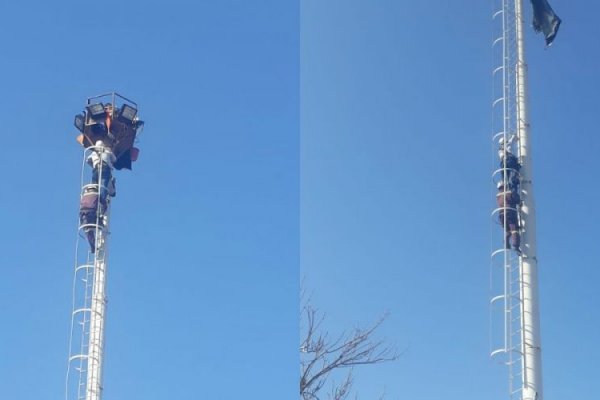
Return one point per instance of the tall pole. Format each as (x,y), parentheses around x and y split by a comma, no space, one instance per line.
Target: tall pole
(530,318)
(106,149)
(97,318)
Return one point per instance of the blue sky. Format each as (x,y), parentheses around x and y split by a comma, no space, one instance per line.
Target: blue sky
(396,159)
(203,268)
(344,141)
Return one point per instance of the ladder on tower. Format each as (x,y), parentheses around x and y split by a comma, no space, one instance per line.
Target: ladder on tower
(83,381)
(506,305)
(108,129)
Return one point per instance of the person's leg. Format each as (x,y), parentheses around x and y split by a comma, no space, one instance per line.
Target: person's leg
(512,228)
(91,237)
(515,237)
(84,217)
(95,176)
(105,180)
(515,181)
(505,229)
(88,217)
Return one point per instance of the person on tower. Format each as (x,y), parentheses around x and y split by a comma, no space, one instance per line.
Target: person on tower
(112,188)
(509,161)
(102,160)
(91,212)
(108,120)
(508,200)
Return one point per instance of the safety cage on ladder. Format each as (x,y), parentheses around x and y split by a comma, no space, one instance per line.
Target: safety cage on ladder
(86,344)
(505,271)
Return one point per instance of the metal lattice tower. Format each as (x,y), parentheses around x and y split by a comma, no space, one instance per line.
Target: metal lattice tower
(88,318)
(515,327)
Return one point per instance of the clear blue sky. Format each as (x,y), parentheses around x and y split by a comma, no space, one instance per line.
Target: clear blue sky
(396,193)
(203,271)
(345,141)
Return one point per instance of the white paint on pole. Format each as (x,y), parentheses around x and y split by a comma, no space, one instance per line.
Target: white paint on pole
(86,344)
(97,315)
(530,319)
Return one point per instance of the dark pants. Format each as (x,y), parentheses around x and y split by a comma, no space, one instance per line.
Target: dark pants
(511,229)
(89,217)
(511,177)
(512,171)
(104,180)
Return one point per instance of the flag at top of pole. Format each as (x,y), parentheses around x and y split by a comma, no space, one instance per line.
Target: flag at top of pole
(545,20)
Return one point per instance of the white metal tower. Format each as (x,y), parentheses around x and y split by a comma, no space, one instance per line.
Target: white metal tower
(514,281)
(86,344)
(108,131)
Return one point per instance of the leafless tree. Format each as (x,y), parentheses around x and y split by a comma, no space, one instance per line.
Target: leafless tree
(321,355)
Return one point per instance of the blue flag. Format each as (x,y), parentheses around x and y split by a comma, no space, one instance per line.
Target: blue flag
(544,20)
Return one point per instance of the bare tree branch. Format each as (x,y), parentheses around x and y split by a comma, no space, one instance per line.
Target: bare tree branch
(321,355)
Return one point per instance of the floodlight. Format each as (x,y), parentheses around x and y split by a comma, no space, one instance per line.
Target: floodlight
(96,111)
(127,113)
(79,122)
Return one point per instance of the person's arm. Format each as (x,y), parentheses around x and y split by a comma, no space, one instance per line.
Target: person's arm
(91,159)
(112,187)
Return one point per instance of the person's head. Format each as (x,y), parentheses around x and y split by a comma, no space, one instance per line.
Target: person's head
(100,143)
(500,186)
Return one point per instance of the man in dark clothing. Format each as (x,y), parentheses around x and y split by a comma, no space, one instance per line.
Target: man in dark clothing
(101,159)
(508,201)
(89,208)
(510,162)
